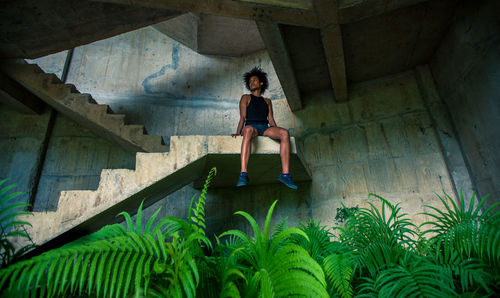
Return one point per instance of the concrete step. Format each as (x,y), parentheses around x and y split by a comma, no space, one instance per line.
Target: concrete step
(82,108)
(157,175)
(114,122)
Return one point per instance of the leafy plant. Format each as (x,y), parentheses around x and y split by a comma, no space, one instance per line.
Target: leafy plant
(465,241)
(379,253)
(275,269)
(10,227)
(116,261)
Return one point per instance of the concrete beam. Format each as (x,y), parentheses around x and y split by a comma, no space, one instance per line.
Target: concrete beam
(300,4)
(16,96)
(273,39)
(279,11)
(183,28)
(327,12)
(351,11)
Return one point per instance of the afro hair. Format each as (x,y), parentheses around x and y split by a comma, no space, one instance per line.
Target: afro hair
(257,72)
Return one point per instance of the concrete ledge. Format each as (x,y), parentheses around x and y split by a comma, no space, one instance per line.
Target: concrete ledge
(157,175)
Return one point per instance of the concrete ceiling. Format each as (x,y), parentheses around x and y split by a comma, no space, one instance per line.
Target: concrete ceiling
(214,35)
(313,44)
(33,28)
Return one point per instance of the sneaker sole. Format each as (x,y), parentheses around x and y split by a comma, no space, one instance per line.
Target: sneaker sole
(295,187)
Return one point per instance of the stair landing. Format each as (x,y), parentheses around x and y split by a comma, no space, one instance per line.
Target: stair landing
(157,175)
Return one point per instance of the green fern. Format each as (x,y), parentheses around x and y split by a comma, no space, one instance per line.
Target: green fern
(378,238)
(195,224)
(10,227)
(414,276)
(339,270)
(112,262)
(466,242)
(273,269)
(319,245)
(199,210)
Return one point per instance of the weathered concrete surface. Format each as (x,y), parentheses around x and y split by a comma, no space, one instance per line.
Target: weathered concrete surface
(21,141)
(381,141)
(167,87)
(226,36)
(66,99)
(155,175)
(31,28)
(182,28)
(74,160)
(466,68)
(213,35)
(19,98)
(442,122)
(395,41)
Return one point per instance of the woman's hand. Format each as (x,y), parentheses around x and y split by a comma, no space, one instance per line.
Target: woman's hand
(234,135)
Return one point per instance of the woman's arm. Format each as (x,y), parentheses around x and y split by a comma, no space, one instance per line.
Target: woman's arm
(243,115)
(270,116)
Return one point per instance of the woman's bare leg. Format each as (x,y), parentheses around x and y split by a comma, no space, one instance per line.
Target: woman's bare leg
(248,133)
(284,137)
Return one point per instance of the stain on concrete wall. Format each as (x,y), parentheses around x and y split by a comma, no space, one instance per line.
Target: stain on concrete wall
(466,69)
(166,86)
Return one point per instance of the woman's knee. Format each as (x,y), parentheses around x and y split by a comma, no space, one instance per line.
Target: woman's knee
(248,131)
(284,135)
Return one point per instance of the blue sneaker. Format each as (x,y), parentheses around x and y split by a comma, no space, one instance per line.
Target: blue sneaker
(287,180)
(243,181)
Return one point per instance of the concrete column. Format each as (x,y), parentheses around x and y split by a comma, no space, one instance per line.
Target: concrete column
(446,133)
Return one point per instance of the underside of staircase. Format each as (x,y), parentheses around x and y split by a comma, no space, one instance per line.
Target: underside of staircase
(82,108)
(157,175)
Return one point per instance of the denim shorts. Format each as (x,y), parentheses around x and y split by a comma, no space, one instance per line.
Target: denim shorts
(260,127)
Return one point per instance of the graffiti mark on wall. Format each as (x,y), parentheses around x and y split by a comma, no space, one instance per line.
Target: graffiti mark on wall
(149,84)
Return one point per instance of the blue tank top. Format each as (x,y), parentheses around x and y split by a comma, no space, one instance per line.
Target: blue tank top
(257,110)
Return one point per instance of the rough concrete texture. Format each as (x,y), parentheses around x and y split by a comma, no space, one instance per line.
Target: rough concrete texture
(32,28)
(52,63)
(66,99)
(381,141)
(74,160)
(122,186)
(213,35)
(21,141)
(167,87)
(446,134)
(466,68)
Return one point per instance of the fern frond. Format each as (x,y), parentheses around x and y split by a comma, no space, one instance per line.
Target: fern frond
(416,278)
(339,272)
(57,272)
(11,227)
(276,269)
(318,243)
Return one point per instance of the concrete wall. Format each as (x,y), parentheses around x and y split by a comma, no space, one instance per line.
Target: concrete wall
(466,68)
(166,86)
(73,158)
(381,141)
(21,142)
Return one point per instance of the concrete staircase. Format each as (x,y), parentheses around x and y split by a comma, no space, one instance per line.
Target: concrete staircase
(155,176)
(82,108)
